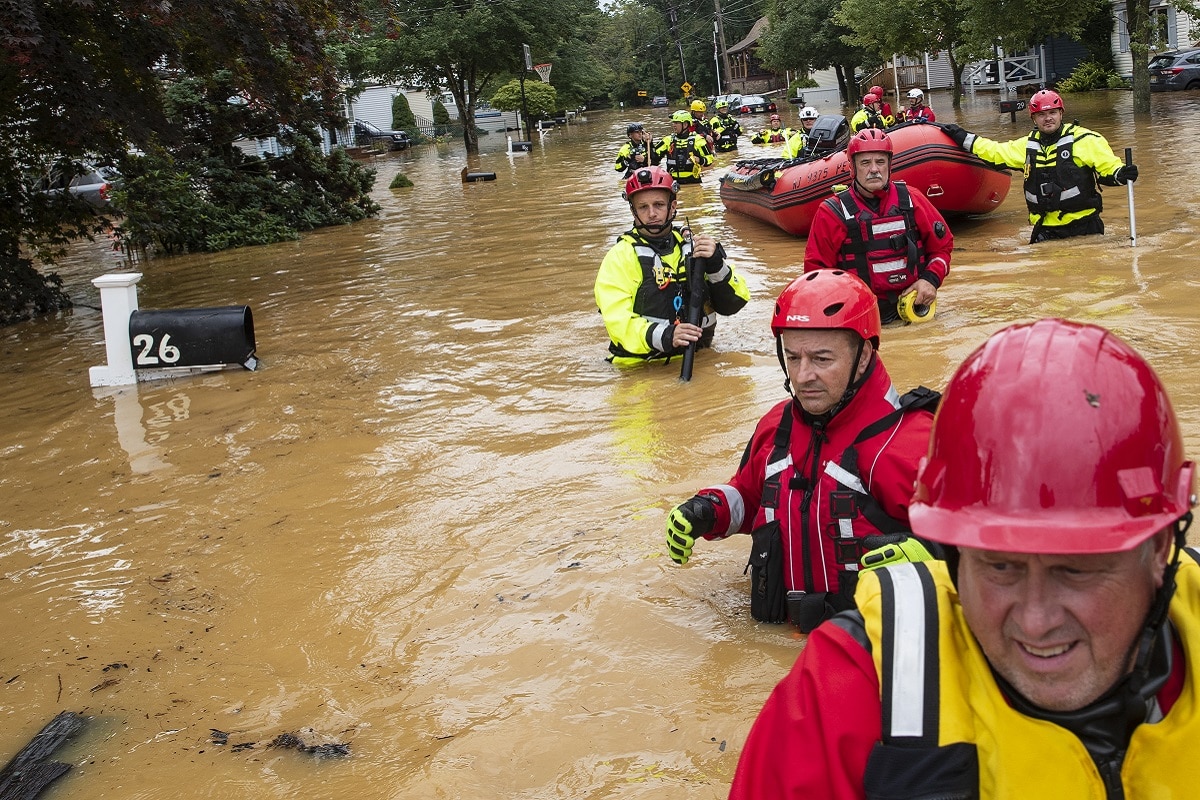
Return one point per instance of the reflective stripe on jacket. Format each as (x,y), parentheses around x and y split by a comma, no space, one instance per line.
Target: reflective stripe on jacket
(952,733)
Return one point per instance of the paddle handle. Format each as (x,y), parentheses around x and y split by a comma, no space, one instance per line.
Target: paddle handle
(1129,186)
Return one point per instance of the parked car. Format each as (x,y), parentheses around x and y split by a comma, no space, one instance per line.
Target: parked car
(734,100)
(368,135)
(92,186)
(658,101)
(755,104)
(1175,70)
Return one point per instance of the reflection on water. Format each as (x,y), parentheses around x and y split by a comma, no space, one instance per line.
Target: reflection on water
(430,525)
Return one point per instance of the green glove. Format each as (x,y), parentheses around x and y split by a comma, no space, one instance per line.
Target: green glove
(687,522)
(901,549)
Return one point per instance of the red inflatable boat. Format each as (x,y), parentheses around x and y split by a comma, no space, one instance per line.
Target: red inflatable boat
(785,193)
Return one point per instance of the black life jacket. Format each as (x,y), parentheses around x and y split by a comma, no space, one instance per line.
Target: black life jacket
(1061,185)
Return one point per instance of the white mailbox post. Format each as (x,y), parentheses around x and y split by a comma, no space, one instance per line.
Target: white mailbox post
(118,300)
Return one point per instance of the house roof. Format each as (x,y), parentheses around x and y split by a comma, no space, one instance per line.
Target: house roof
(756,32)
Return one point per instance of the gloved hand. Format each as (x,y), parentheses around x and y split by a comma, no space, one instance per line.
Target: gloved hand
(899,549)
(957,133)
(716,262)
(687,522)
(1126,174)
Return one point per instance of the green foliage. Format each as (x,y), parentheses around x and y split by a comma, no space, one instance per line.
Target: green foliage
(225,200)
(401,181)
(468,47)
(540,98)
(1089,76)
(803,82)
(403,118)
(26,293)
(83,82)
(440,115)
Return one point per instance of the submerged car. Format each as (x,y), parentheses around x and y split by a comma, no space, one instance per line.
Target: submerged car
(755,104)
(659,101)
(368,135)
(93,185)
(1175,70)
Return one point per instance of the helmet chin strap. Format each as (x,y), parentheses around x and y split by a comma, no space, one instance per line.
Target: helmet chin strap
(852,386)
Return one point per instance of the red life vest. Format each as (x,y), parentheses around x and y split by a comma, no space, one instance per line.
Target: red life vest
(884,249)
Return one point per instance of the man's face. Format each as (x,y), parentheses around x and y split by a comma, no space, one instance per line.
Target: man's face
(1059,628)
(913,102)
(1048,121)
(872,170)
(818,365)
(807,124)
(636,136)
(775,124)
(679,127)
(723,111)
(652,207)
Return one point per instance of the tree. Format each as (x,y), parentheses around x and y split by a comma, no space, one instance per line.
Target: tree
(964,29)
(463,46)
(540,99)
(804,35)
(83,81)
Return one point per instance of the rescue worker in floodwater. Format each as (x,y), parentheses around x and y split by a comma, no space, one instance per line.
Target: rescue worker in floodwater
(1062,163)
(682,153)
(827,471)
(642,286)
(885,232)
(635,152)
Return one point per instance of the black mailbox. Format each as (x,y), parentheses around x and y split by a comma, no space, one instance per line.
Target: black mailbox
(192,337)
(1010,106)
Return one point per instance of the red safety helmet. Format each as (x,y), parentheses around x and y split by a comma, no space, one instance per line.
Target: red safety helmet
(1043,100)
(1053,437)
(870,97)
(650,178)
(868,140)
(825,299)
(774,118)
(876,90)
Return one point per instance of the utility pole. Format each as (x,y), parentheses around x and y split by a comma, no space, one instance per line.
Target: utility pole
(716,59)
(721,40)
(678,43)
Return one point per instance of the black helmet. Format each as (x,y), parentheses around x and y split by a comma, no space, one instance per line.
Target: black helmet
(633,127)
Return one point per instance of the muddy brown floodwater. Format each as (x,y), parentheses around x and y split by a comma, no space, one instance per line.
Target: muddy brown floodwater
(430,527)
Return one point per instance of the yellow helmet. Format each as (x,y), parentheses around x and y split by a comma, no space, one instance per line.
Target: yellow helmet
(698,105)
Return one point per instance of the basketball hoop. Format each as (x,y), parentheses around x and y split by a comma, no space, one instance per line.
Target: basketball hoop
(543,71)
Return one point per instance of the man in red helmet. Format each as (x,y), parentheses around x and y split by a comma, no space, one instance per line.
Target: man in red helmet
(883,231)
(1062,163)
(1055,652)
(885,107)
(642,286)
(870,115)
(828,471)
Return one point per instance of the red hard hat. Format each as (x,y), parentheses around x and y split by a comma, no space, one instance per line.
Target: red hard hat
(774,118)
(876,90)
(870,97)
(868,140)
(1043,100)
(1053,437)
(649,178)
(828,298)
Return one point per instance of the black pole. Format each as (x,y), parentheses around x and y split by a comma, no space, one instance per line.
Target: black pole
(695,310)
(525,112)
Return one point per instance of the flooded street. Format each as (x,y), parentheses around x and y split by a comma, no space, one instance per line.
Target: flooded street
(431,525)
